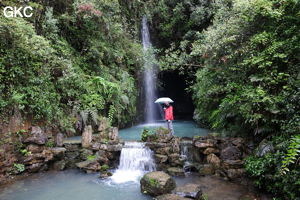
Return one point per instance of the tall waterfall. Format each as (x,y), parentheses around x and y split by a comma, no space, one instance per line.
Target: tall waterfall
(136,159)
(151,110)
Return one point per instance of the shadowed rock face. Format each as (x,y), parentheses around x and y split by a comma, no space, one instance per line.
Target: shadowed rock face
(157,183)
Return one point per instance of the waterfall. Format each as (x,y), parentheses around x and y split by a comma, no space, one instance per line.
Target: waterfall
(151,110)
(185,151)
(136,159)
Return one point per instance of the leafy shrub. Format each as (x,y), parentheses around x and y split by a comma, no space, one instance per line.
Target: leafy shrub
(266,172)
(25,152)
(49,143)
(104,167)
(148,135)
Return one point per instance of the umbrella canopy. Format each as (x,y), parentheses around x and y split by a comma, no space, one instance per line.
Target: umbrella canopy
(164,100)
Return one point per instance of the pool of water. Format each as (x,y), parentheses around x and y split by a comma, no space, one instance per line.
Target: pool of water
(70,185)
(181,129)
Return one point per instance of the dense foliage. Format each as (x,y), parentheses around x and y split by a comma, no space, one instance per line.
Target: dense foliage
(72,60)
(245,58)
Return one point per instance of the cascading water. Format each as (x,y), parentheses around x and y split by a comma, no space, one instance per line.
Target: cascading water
(185,147)
(151,110)
(136,159)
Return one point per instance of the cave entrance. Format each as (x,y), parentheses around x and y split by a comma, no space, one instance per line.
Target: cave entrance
(173,85)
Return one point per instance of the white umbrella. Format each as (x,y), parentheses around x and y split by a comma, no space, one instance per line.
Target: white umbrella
(164,100)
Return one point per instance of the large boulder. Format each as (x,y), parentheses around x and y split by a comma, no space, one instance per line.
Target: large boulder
(157,183)
(36,136)
(171,197)
(192,191)
(87,135)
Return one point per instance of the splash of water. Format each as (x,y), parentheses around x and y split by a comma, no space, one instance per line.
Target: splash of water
(136,159)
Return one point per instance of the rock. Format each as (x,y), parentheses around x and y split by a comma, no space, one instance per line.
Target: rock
(211,150)
(48,155)
(59,165)
(58,152)
(175,171)
(113,134)
(59,140)
(248,197)
(264,147)
(206,169)
(89,165)
(86,138)
(192,191)
(214,160)
(34,167)
(204,143)
(157,183)
(176,145)
(174,160)
(163,151)
(160,158)
(105,174)
(113,148)
(84,153)
(103,125)
(232,164)
(235,173)
(231,153)
(33,148)
(36,136)
(171,197)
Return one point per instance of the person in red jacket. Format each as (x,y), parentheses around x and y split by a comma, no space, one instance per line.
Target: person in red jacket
(169,116)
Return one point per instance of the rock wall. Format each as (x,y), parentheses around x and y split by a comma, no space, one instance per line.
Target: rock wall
(34,151)
(208,155)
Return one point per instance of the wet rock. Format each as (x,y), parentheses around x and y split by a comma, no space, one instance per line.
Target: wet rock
(105,175)
(86,138)
(264,147)
(211,150)
(59,165)
(206,169)
(175,171)
(192,191)
(160,158)
(59,140)
(214,160)
(36,136)
(231,153)
(171,197)
(157,183)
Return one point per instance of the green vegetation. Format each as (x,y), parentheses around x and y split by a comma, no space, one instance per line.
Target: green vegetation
(19,168)
(25,152)
(91,157)
(67,61)
(104,167)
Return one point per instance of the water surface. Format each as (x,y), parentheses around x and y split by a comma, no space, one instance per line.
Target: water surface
(181,129)
(70,185)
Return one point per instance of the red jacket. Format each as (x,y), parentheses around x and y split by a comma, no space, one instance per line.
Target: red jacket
(169,113)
